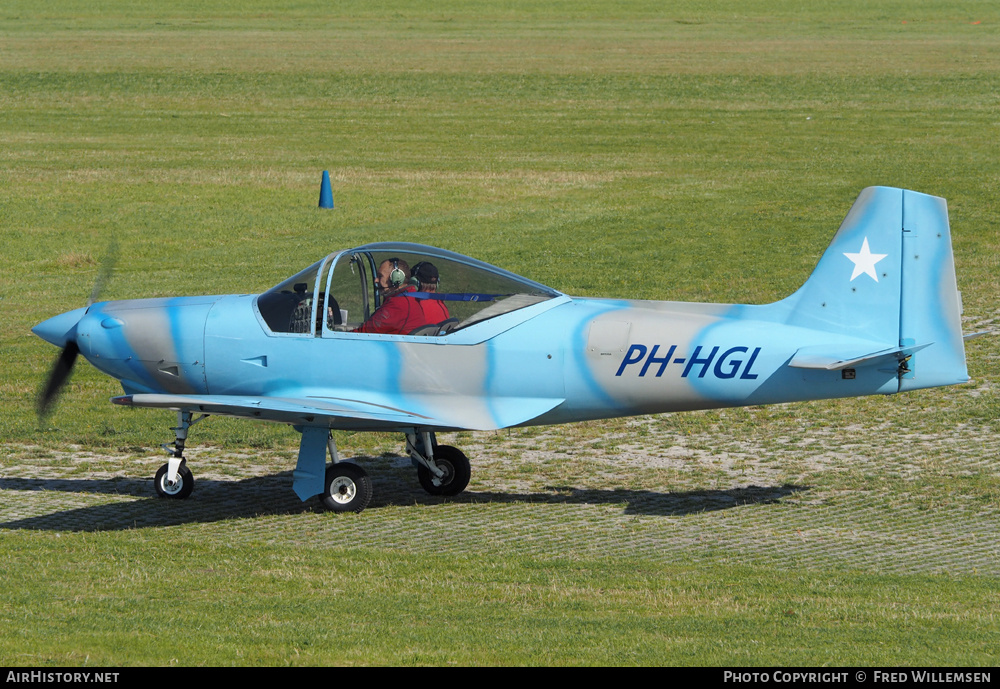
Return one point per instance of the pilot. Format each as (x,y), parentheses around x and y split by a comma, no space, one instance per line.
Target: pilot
(401,313)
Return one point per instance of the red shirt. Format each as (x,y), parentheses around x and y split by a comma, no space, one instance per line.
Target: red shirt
(402,314)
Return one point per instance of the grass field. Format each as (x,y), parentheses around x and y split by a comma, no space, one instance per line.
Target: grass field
(641,149)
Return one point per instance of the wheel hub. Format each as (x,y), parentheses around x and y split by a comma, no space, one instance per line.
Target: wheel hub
(343,490)
(446,473)
(172,487)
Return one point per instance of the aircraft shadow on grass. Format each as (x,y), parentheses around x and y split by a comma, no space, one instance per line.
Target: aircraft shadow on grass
(263,496)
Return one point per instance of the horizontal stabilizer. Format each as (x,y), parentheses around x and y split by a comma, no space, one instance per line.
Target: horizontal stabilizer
(821,357)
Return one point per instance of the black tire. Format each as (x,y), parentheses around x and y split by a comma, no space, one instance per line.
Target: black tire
(347,488)
(457,472)
(179,490)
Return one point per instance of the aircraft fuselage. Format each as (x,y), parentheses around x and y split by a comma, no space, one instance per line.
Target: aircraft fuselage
(602,358)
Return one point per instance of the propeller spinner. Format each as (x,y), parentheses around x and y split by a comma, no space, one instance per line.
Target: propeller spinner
(61,331)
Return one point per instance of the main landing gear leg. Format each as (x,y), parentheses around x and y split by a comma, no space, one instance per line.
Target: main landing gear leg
(174,479)
(346,486)
(441,469)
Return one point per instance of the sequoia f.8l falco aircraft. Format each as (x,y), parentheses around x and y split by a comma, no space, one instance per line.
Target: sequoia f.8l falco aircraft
(879,315)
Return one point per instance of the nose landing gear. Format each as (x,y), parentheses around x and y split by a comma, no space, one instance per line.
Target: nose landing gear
(174,479)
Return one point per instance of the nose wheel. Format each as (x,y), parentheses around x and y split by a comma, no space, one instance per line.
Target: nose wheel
(179,488)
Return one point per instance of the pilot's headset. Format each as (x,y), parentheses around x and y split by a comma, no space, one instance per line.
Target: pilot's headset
(397,276)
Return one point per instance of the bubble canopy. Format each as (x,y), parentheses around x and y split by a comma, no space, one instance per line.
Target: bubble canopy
(340,292)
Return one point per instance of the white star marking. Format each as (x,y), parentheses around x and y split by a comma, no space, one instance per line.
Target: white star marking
(864,262)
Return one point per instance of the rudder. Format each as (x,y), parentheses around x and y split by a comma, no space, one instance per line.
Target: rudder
(931,306)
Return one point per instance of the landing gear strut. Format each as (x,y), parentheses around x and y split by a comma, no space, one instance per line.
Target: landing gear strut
(346,486)
(441,469)
(174,479)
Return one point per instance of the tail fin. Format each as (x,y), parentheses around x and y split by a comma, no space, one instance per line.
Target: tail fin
(888,277)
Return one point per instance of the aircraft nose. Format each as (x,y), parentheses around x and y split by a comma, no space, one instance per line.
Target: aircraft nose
(61,329)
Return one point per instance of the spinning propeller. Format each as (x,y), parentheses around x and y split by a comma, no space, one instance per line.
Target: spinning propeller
(61,331)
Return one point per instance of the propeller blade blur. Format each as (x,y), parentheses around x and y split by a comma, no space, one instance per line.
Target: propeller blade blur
(57,378)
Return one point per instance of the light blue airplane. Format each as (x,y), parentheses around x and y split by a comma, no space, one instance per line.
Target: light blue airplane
(879,315)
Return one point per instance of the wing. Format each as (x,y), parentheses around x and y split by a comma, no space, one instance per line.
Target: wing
(357,414)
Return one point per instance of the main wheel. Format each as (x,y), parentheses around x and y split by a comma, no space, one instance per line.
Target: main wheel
(178,490)
(456,468)
(347,488)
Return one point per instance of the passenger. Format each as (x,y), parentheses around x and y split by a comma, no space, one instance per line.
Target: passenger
(400,313)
